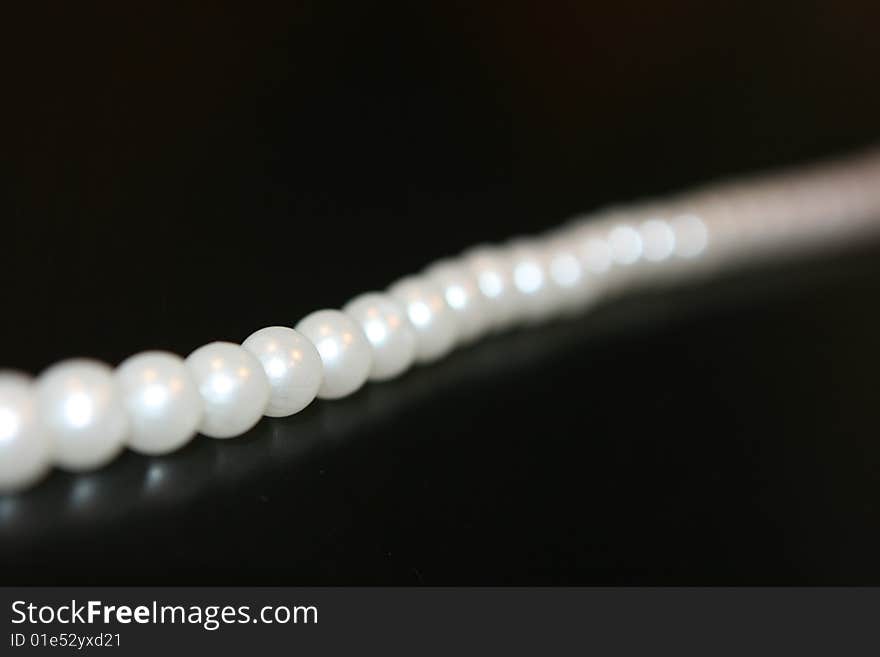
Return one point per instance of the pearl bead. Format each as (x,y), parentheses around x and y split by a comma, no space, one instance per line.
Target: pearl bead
(25,452)
(568,275)
(492,271)
(590,240)
(344,349)
(690,235)
(658,240)
(463,296)
(292,365)
(163,403)
(391,336)
(626,245)
(81,408)
(594,251)
(536,296)
(433,320)
(234,388)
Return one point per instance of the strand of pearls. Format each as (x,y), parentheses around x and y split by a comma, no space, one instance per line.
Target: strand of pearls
(80,414)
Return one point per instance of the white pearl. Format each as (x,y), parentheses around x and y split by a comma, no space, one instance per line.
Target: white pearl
(25,452)
(658,240)
(433,320)
(626,245)
(391,336)
(595,252)
(292,365)
(567,274)
(344,349)
(495,282)
(612,249)
(537,297)
(463,296)
(691,235)
(162,400)
(81,408)
(234,388)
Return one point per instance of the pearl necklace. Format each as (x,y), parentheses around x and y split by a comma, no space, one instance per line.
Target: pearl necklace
(80,414)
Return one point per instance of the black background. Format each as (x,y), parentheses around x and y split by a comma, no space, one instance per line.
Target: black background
(195,171)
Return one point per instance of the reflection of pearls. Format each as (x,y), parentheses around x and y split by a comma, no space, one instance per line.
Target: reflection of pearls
(79,415)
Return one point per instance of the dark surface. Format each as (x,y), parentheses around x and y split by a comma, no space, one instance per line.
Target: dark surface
(190,174)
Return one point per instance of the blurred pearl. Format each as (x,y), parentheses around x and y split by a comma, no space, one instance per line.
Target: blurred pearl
(344,349)
(567,274)
(714,216)
(625,243)
(433,320)
(594,250)
(588,239)
(81,408)
(494,280)
(658,240)
(25,452)
(537,297)
(292,365)
(691,235)
(389,332)
(233,386)
(162,400)
(463,296)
